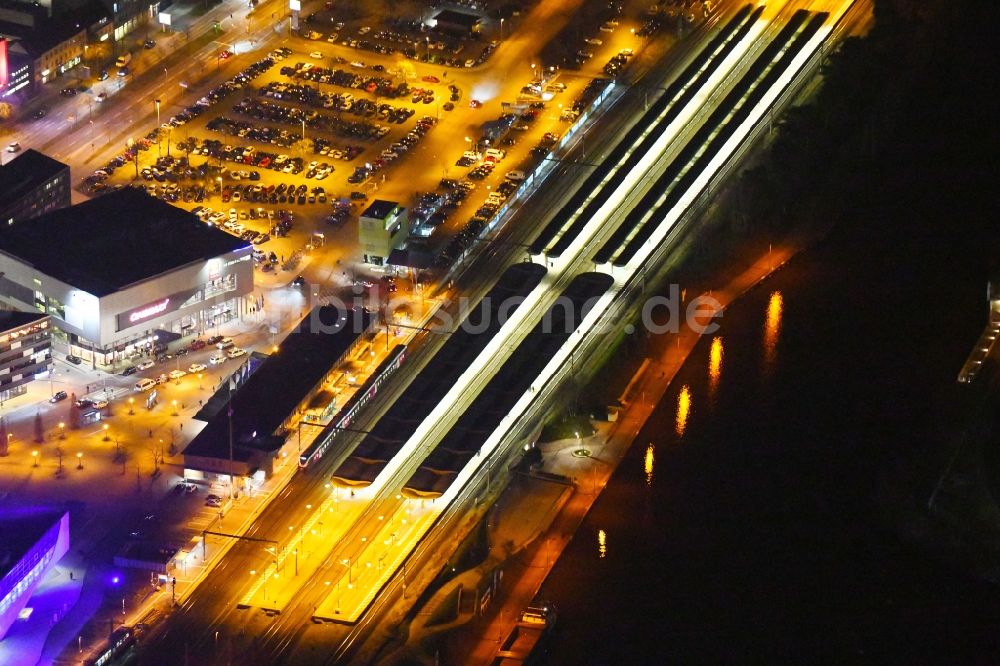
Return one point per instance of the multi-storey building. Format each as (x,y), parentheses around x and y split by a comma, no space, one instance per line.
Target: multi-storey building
(25,350)
(30,185)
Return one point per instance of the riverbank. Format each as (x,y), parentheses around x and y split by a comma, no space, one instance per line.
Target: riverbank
(524,574)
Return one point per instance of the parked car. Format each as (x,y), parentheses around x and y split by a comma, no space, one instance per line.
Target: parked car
(195,368)
(130,370)
(145,365)
(236,352)
(75,360)
(177,374)
(225,343)
(218,359)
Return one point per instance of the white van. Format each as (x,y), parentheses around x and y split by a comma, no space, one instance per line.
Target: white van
(496,154)
(144,384)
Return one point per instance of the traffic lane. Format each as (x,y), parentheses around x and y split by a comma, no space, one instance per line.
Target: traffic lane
(150,85)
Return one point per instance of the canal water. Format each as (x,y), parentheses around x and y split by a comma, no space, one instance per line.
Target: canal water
(757,516)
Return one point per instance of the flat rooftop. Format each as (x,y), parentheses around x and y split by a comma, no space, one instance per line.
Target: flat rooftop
(280,384)
(114,241)
(380,209)
(495,401)
(457,18)
(24,173)
(20,530)
(10,319)
(432,383)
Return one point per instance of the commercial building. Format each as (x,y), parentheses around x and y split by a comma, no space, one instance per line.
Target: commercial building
(15,75)
(32,184)
(258,423)
(459,23)
(25,350)
(130,270)
(382,228)
(53,45)
(33,540)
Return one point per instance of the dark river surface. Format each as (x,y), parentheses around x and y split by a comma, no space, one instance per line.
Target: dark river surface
(753,519)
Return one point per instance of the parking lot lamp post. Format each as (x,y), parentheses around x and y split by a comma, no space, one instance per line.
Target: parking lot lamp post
(131,406)
(34,457)
(173,403)
(159,144)
(62,430)
(501,29)
(79,460)
(135,156)
(106,437)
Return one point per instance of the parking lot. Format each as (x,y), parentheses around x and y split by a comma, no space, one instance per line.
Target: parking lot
(288,151)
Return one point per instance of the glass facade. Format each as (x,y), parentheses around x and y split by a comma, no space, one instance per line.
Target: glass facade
(25,351)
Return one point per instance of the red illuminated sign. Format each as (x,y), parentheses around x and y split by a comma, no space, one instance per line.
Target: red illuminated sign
(3,63)
(149,311)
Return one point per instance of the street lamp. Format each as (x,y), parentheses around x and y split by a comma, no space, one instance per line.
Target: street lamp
(34,456)
(79,460)
(106,438)
(131,403)
(62,430)
(501,29)
(173,404)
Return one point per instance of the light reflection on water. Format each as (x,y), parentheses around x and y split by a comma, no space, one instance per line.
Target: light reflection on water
(715,354)
(772,326)
(683,410)
(647,464)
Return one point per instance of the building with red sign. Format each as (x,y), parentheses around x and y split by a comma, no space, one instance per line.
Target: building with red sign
(131,271)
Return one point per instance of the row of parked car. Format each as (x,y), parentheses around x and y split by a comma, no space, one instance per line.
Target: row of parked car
(614,66)
(393,152)
(173,193)
(247,130)
(483,164)
(284,114)
(237,82)
(370,83)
